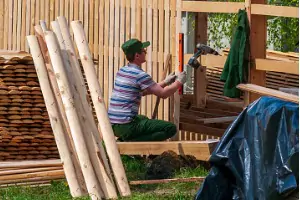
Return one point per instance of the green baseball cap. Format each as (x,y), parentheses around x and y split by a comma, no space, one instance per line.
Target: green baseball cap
(133,46)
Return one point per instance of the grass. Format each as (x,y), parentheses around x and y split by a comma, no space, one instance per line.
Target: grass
(135,170)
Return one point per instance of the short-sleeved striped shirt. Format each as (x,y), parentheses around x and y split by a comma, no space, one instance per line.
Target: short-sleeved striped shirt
(126,96)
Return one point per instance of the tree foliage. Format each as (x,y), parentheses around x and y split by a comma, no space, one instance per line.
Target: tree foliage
(283,33)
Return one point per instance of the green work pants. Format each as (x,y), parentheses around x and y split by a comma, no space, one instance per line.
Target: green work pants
(143,129)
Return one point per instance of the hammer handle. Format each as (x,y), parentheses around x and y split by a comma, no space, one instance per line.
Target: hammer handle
(166,69)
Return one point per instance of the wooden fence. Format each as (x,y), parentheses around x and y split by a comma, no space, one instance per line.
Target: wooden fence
(107,23)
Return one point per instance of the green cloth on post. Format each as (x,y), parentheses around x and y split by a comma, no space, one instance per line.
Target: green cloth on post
(142,128)
(236,67)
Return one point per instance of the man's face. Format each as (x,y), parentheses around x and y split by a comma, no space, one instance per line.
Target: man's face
(141,57)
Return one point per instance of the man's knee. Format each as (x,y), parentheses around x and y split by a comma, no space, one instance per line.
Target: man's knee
(171,130)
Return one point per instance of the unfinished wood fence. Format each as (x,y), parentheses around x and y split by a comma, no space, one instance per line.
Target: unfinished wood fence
(107,23)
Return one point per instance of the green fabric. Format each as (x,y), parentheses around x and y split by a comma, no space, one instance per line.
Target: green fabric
(133,46)
(143,129)
(236,67)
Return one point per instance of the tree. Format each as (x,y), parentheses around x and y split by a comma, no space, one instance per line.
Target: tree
(283,33)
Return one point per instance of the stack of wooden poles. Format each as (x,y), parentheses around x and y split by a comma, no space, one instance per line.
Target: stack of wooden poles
(88,167)
(30,172)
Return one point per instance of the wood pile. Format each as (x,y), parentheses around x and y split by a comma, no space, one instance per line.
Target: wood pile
(25,130)
(88,167)
(33,172)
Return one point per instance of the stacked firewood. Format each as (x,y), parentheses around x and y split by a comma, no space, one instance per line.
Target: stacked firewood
(79,141)
(25,130)
(37,172)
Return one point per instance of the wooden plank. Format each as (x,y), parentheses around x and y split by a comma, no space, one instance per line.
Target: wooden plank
(277,66)
(5,24)
(71,13)
(175,27)
(47,11)
(268,92)
(86,17)
(91,25)
(100,70)
(127,17)
(122,31)
(161,51)
(76,10)
(271,10)
(61,8)
(23,27)
(258,41)
(218,119)
(81,10)
(200,81)
(96,30)
(138,19)
(154,51)
(200,149)
(133,19)
(166,108)
(66,12)
(172,180)
(111,49)
(19,20)
(14,21)
(212,7)
(106,53)
(10,25)
(117,37)
(42,10)
(144,34)
(149,54)
(1,22)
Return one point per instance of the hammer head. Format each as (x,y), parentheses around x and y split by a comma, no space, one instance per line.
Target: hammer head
(201,49)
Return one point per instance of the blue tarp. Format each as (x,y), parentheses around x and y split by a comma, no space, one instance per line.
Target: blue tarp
(258,156)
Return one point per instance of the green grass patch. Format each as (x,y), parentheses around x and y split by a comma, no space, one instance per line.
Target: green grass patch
(135,170)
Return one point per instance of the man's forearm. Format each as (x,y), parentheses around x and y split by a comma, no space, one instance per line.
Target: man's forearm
(171,89)
(162,84)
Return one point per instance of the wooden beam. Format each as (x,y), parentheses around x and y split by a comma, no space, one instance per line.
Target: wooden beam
(212,7)
(200,81)
(200,149)
(209,61)
(258,41)
(271,10)
(268,92)
(277,66)
(218,119)
(170,180)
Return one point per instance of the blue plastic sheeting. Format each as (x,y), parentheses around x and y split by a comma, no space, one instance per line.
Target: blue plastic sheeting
(258,156)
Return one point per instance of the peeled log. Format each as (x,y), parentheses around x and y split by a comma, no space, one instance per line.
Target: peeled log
(92,183)
(101,112)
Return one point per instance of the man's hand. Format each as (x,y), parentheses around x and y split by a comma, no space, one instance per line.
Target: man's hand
(181,77)
(170,78)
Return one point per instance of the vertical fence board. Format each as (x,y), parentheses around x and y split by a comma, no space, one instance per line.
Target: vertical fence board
(19,25)
(160,51)
(91,24)
(106,40)
(96,30)
(138,19)
(14,29)
(149,52)
(167,50)
(154,49)
(100,70)
(122,31)
(86,17)
(133,18)
(110,49)
(116,37)
(10,24)
(2,22)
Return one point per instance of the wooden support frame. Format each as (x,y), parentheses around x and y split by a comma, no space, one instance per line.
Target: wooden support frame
(200,149)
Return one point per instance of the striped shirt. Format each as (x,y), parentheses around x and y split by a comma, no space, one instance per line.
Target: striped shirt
(126,96)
